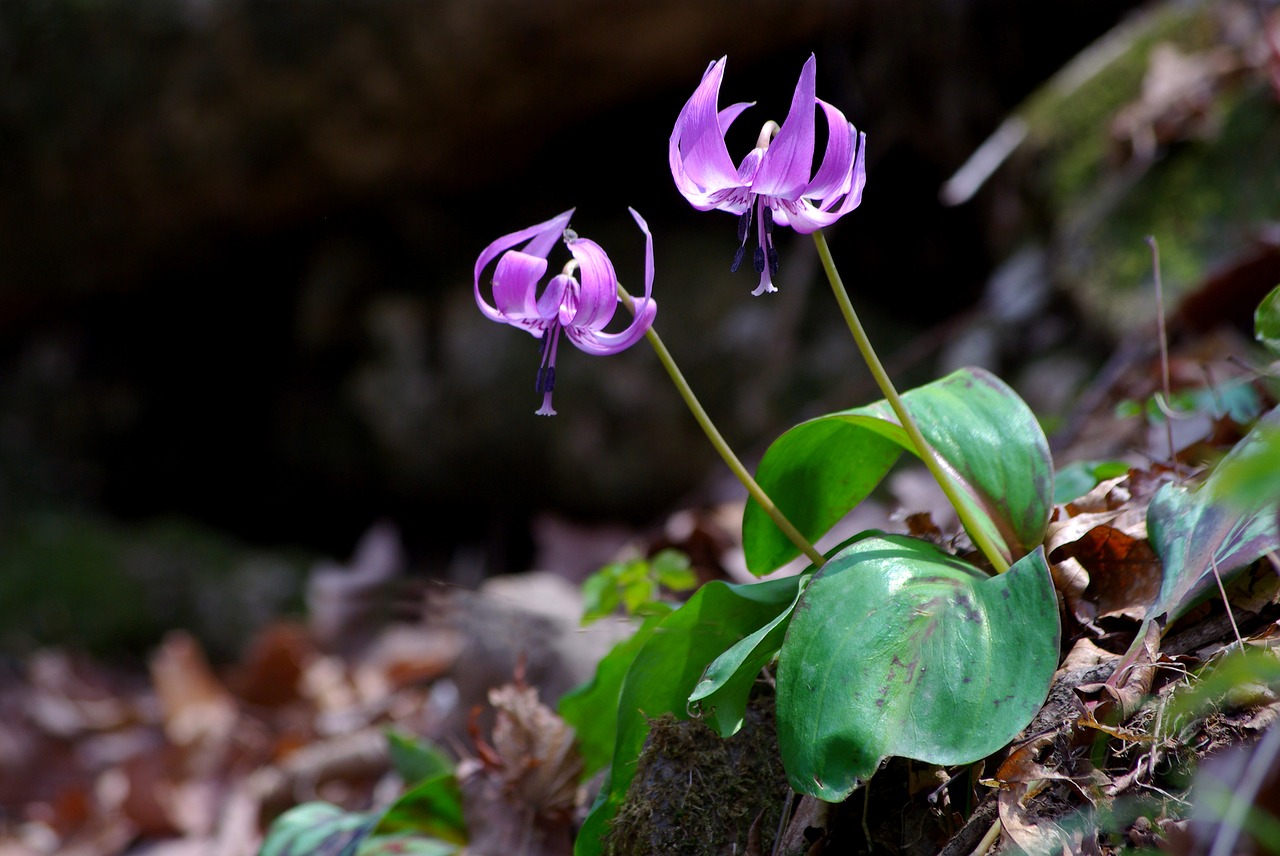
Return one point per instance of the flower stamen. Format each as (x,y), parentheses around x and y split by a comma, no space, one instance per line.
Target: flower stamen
(744,231)
(546,381)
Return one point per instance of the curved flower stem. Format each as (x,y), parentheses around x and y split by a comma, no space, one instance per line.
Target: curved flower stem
(713,434)
(923,449)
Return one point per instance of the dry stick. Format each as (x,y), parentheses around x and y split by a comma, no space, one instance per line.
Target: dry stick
(989,840)
(1166,405)
(981,539)
(717,440)
(1213,563)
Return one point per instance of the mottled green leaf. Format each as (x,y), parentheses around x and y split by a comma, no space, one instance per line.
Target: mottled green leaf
(896,648)
(317,829)
(987,438)
(1196,531)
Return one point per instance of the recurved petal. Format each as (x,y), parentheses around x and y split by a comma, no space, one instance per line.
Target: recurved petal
(645,309)
(699,161)
(598,296)
(857,181)
(648,251)
(834,176)
(558,298)
(804,217)
(515,283)
(541,238)
(601,344)
(788,163)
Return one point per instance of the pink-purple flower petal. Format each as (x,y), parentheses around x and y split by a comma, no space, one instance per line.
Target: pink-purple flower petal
(776,179)
(788,162)
(541,238)
(579,302)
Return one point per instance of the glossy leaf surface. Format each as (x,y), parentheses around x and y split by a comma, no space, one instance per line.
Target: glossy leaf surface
(1199,530)
(896,648)
(985,435)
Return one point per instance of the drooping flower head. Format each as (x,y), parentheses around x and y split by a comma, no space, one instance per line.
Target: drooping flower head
(579,301)
(775,182)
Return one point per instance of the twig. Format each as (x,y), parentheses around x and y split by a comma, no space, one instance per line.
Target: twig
(989,840)
(1164,355)
(1213,563)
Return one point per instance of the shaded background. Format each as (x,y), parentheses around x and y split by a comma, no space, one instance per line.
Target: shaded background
(236,242)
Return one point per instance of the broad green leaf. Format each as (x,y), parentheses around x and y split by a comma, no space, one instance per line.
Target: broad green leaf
(664,673)
(432,808)
(985,435)
(720,697)
(414,759)
(592,707)
(1075,480)
(896,648)
(1251,477)
(1266,321)
(1197,531)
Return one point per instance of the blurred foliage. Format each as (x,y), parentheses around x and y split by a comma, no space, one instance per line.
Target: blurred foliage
(636,585)
(72,578)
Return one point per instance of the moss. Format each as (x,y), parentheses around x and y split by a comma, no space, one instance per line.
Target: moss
(1202,202)
(1068,122)
(696,793)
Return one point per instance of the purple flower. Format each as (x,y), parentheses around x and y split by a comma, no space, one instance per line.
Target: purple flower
(579,301)
(775,182)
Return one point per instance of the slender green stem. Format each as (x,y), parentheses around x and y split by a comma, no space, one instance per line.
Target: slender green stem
(731,460)
(980,538)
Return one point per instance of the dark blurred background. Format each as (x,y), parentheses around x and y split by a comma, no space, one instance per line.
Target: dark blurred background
(236,240)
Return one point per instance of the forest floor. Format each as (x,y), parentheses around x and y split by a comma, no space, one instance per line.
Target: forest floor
(177,756)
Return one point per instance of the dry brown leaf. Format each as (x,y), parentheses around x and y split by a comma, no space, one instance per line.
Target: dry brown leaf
(1124,571)
(541,765)
(1083,654)
(195,706)
(523,787)
(1123,694)
(272,667)
(1177,98)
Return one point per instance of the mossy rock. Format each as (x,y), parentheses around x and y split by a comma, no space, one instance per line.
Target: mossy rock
(1205,195)
(696,793)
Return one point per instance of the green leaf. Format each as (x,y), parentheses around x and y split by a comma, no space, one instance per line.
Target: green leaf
(983,432)
(672,570)
(600,596)
(415,760)
(592,707)
(1266,321)
(1250,477)
(1195,531)
(317,829)
(664,673)
(432,808)
(1075,480)
(720,697)
(897,648)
